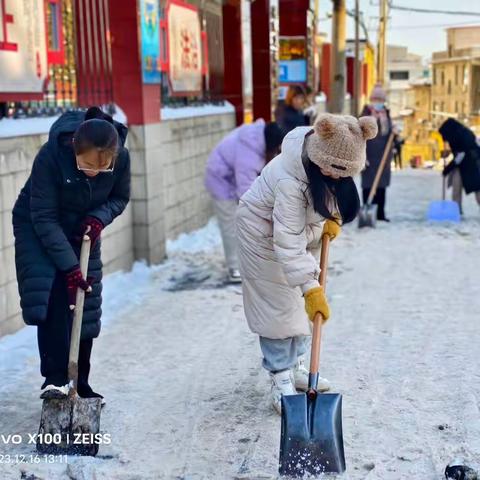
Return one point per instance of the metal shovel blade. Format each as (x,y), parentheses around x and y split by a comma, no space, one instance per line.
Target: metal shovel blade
(70,426)
(367,216)
(311,436)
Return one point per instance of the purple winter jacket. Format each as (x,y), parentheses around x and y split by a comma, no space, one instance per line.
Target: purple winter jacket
(236,162)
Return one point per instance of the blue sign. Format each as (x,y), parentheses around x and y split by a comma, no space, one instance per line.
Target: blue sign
(292,71)
(150,31)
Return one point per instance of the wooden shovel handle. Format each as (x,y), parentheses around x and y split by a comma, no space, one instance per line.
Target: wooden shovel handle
(77,318)
(378,175)
(318,320)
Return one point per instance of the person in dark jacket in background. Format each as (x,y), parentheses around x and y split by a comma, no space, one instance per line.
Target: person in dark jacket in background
(375,149)
(80,181)
(398,142)
(291,114)
(464,169)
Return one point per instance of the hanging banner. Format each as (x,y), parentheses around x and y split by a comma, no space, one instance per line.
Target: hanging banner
(185,49)
(150,31)
(23,51)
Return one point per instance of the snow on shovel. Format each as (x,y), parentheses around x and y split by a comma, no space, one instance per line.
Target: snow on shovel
(368,213)
(311,439)
(71,425)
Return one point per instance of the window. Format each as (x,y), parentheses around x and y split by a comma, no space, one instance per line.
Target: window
(435,106)
(434,80)
(449,87)
(442,78)
(399,75)
(456,74)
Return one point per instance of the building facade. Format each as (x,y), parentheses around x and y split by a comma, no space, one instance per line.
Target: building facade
(456,77)
(403,67)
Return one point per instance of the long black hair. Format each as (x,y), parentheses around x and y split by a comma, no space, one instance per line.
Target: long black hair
(331,196)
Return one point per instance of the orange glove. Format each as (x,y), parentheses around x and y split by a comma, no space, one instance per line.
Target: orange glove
(332,229)
(316,302)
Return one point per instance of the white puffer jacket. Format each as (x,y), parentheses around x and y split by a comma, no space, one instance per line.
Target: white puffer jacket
(279,236)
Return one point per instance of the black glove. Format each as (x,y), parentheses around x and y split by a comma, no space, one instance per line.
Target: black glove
(449,168)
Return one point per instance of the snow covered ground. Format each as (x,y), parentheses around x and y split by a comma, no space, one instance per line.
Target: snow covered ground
(187,398)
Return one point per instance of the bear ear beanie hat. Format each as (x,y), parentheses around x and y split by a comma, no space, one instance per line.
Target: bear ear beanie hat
(338,145)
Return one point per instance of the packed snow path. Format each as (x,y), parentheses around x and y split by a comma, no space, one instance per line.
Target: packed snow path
(187,398)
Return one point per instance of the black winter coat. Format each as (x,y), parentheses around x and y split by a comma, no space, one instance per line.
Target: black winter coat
(375,148)
(461,139)
(50,208)
(289,118)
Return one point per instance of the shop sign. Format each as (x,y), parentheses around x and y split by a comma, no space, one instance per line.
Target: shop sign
(23,50)
(185,48)
(150,38)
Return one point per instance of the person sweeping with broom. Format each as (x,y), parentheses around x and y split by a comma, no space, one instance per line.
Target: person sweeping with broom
(305,192)
(80,182)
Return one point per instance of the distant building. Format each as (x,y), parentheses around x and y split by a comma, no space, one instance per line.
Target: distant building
(402,68)
(422,141)
(456,77)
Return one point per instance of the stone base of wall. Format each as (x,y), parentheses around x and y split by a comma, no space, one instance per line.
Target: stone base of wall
(168,197)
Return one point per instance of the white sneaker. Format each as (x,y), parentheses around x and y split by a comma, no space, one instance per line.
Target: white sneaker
(281,385)
(300,377)
(234,275)
(52,391)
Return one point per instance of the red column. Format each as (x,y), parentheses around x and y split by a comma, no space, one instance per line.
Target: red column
(264,71)
(325,69)
(232,47)
(293,17)
(140,102)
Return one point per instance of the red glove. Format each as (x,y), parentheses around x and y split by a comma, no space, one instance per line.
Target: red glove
(74,282)
(92,227)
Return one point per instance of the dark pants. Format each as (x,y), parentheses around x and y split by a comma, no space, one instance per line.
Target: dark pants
(54,340)
(378,199)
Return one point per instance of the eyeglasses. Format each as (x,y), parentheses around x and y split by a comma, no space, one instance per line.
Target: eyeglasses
(97,170)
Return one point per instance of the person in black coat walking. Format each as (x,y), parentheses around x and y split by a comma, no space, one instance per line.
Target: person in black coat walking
(290,115)
(80,181)
(375,149)
(464,169)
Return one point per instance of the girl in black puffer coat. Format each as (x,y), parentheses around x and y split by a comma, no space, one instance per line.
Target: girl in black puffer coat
(464,169)
(80,181)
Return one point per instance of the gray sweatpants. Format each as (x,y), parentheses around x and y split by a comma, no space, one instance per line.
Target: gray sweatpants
(282,354)
(225,211)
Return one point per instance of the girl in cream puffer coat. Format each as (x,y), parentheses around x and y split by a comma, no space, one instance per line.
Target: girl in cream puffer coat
(304,192)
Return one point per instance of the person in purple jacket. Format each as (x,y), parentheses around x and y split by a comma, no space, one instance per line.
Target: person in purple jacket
(232,167)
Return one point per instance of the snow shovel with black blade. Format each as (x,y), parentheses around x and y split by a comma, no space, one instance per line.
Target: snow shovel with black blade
(368,213)
(71,425)
(311,439)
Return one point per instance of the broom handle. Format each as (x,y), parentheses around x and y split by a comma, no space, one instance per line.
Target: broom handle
(378,175)
(77,319)
(318,320)
(444,180)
